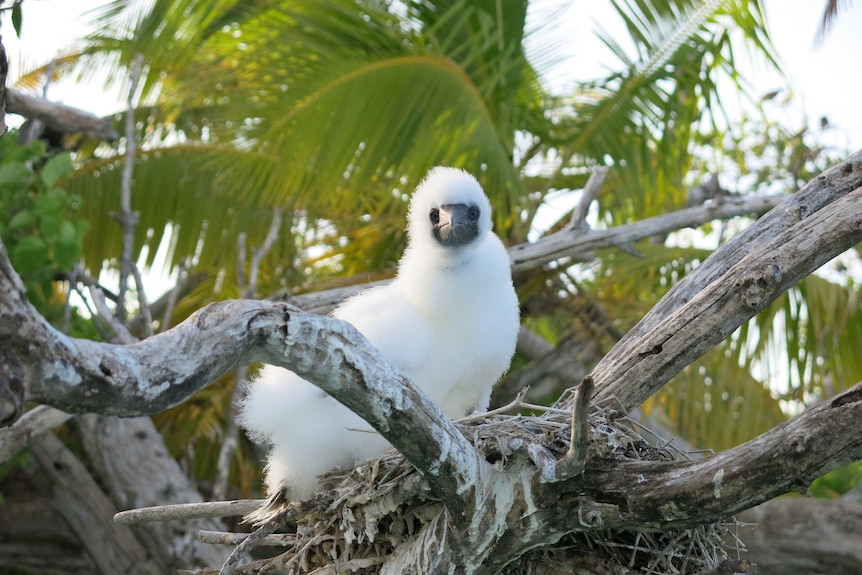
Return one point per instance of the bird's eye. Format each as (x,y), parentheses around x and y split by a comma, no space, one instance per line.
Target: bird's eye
(434,215)
(473,213)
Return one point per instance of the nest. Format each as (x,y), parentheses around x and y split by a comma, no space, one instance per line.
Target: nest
(363,514)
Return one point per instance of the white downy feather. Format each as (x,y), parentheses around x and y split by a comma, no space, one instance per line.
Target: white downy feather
(449,322)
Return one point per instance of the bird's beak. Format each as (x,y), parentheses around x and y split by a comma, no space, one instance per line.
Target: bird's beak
(455,227)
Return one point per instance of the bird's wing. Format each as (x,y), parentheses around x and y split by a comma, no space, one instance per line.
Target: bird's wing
(271,401)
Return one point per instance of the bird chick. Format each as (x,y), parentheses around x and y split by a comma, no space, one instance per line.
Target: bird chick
(449,321)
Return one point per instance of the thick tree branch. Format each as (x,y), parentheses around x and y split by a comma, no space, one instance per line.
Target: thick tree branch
(648,495)
(578,245)
(679,494)
(86,509)
(821,221)
(804,536)
(161,371)
(493,513)
(59,117)
(30,427)
(135,468)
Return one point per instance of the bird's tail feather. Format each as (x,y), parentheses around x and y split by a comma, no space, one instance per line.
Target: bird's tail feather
(275,503)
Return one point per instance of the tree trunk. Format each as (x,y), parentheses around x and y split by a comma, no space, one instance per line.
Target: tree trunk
(804,536)
(130,458)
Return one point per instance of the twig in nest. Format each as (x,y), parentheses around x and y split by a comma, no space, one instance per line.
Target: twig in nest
(576,457)
(348,566)
(515,404)
(187,511)
(233,539)
(269,527)
(299,557)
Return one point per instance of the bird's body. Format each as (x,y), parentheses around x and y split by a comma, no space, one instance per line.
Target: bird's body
(449,322)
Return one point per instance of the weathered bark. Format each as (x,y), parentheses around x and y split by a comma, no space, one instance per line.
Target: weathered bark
(33,534)
(491,514)
(814,225)
(30,427)
(135,468)
(479,498)
(61,118)
(129,458)
(86,510)
(804,536)
(574,244)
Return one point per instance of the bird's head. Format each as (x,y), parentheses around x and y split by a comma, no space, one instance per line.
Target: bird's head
(448,210)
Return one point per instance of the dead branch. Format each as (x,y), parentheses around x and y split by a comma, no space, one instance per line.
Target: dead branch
(150,376)
(85,508)
(594,183)
(576,245)
(233,539)
(804,536)
(819,194)
(187,511)
(737,281)
(127,218)
(487,514)
(60,117)
(640,490)
(39,420)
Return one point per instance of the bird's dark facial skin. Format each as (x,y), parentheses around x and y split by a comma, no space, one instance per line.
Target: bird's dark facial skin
(455,225)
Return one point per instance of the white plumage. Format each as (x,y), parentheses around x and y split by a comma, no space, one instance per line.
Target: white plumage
(449,322)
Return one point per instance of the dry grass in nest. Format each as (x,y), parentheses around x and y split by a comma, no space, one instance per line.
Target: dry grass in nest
(369,510)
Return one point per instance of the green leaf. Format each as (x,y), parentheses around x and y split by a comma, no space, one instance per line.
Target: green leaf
(82,226)
(49,225)
(55,168)
(14,173)
(30,255)
(23,219)
(67,247)
(17,18)
(52,203)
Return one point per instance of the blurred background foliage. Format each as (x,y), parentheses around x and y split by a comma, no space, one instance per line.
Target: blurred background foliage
(334,110)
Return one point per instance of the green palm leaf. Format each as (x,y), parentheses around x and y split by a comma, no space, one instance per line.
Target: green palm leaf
(291,135)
